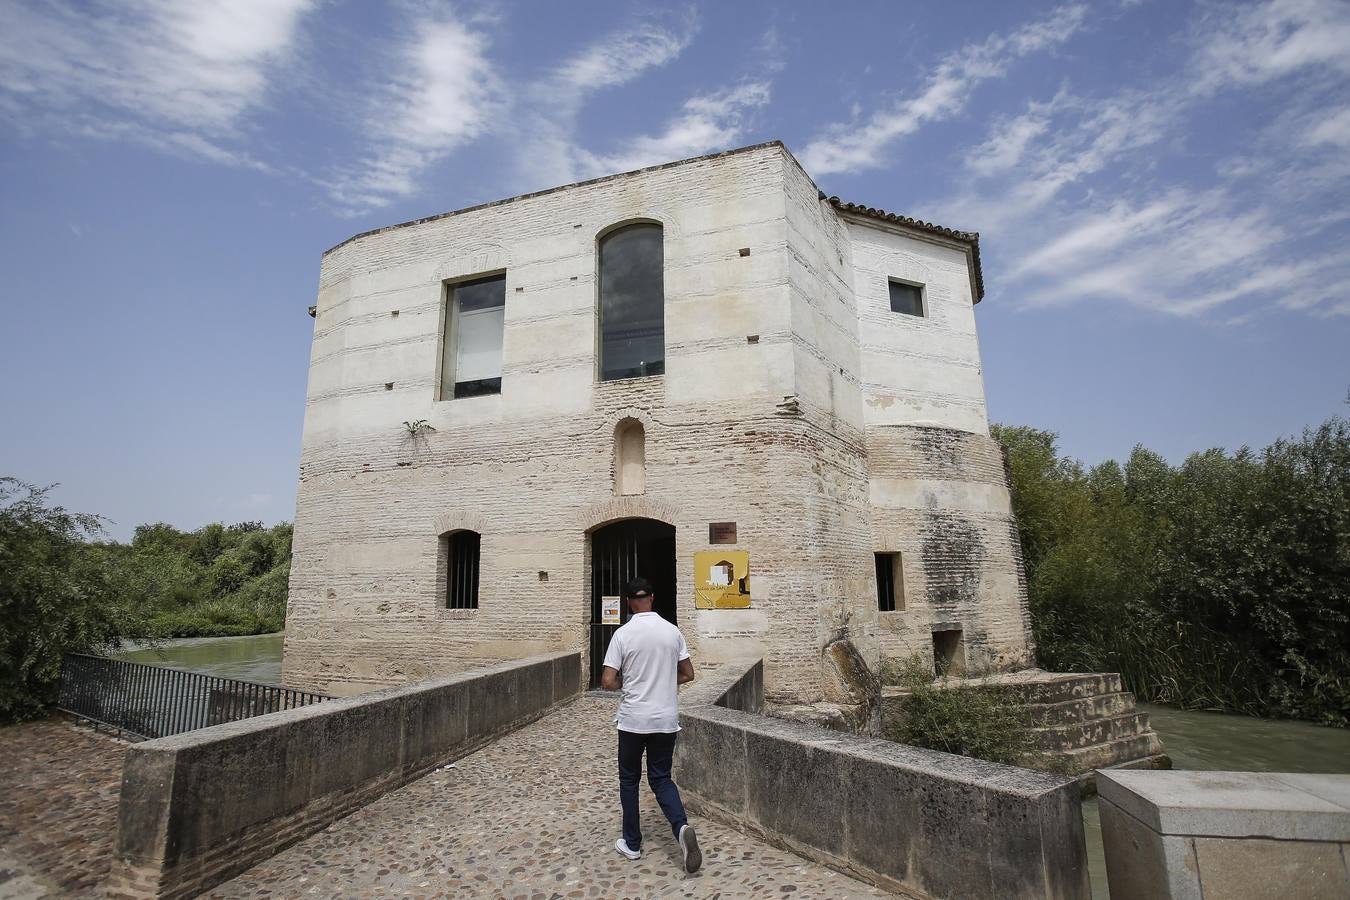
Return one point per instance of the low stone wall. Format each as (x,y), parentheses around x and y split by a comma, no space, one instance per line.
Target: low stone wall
(916,821)
(200,807)
(1225,835)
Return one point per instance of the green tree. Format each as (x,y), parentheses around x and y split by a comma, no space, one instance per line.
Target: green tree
(1223,583)
(54,597)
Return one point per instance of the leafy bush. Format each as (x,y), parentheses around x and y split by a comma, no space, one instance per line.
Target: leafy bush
(1223,583)
(970,721)
(54,598)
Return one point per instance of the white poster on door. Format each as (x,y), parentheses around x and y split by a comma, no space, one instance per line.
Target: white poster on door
(609,611)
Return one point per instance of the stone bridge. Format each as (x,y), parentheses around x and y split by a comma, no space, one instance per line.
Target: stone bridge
(501,782)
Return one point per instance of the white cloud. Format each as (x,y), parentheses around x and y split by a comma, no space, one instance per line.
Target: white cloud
(1257,43)
(705,123)
(615,59)
(1030,160)
(179,74)
(547,150)
(1182,253)
(1332,129)
(854,148)
(1005,148)
(1080,196)
(444,93)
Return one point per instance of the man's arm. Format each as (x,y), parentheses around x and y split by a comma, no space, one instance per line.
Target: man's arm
(685,673)
(610,680)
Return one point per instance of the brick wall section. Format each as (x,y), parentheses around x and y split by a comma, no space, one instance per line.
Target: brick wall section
(940,498)
(532,469)
(834,569)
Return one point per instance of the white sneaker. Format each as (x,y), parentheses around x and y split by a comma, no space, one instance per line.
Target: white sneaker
(622,846)
(693,857)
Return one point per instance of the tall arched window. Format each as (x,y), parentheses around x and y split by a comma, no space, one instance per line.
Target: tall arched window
(632,302)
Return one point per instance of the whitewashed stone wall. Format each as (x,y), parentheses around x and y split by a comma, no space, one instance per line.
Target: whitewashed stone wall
(938,488)
(773,434)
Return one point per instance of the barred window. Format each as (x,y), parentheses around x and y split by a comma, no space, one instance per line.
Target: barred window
(459,555)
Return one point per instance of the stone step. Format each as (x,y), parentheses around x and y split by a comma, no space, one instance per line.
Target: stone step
(1110,753)
(1067,712)
(1094,731)
(1060,688)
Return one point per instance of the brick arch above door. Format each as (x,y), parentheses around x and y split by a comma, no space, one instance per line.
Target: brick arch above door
(457,521)
(628,507)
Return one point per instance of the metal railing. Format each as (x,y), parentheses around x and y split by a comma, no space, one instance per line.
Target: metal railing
(155,701)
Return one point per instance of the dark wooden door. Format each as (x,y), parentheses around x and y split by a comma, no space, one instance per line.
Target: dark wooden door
(621,551)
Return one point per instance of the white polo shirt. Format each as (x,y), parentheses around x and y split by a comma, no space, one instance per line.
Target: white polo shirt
(647,652)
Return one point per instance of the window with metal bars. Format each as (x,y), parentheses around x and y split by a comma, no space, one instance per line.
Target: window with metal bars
(460,553)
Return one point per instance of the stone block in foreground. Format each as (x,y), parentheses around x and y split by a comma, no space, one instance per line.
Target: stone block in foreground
(1225,835)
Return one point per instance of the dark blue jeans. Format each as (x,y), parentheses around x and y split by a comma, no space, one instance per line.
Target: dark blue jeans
(660,748)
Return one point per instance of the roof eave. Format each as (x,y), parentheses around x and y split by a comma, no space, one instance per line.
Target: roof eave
(969,241)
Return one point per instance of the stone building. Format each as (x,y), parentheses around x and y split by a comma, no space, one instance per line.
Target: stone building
(513,407)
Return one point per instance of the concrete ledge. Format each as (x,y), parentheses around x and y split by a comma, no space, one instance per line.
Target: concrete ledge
(910,820)
(1223,835)
(198,808)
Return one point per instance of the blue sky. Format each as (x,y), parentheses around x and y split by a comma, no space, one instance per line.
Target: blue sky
(1162,190)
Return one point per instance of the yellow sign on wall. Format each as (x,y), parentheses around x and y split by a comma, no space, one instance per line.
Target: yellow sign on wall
(721,579)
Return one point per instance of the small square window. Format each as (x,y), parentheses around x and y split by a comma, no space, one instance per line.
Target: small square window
(907,298)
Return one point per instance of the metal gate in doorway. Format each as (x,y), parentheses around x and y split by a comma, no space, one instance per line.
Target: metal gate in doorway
(621,551)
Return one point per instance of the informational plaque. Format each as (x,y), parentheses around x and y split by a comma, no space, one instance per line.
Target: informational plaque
(721,532)
(721,579)
(609,611)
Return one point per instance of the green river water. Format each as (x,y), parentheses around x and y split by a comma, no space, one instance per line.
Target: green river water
(255,657)
(1194,740)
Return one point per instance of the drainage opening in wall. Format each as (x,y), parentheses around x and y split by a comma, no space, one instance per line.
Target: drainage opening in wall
(949,652)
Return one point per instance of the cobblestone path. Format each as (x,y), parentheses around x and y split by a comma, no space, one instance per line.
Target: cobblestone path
(58,808)
(534,815)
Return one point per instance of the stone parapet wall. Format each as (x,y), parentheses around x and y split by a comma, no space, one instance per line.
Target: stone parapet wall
(915,821)
(198,808)
(1225,835)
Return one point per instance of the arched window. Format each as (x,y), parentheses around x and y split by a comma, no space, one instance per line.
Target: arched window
(632,302)
(630,458)
(459,562)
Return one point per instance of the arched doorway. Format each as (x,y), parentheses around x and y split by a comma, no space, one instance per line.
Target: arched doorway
(620,551)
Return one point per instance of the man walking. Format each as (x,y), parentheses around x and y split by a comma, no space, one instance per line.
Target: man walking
(648,658)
